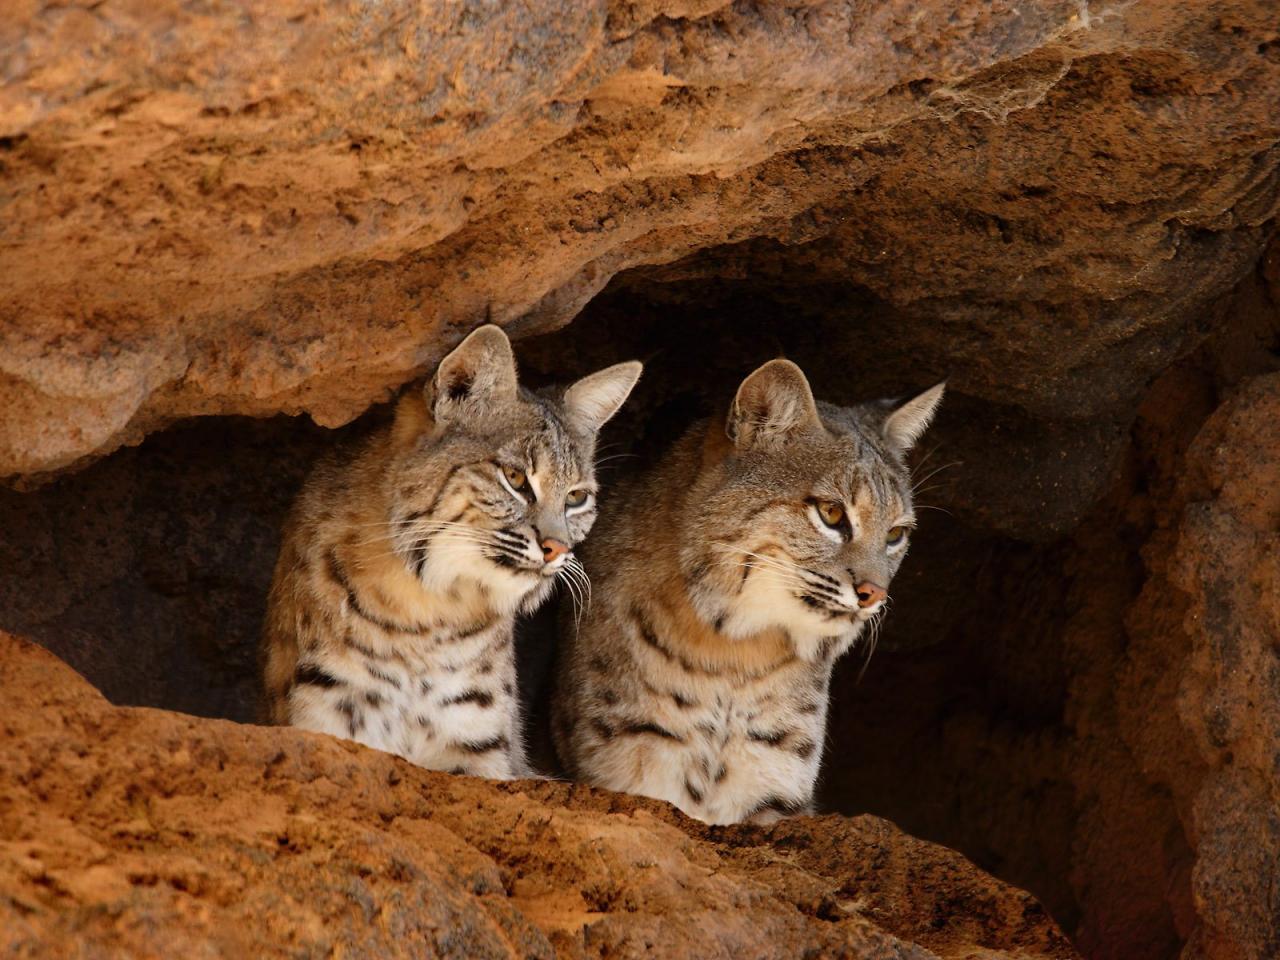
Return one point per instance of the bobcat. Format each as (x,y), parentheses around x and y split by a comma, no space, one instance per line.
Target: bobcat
(402,568)
(729,578)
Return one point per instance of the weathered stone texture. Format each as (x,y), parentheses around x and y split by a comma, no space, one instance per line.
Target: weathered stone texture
(292,206)
(295,206)
(1210,614)
(137,832)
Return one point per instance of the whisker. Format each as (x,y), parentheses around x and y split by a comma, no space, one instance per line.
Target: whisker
(933,473)
(586,579)
(379,556)
(400,549)
(926,506)
(930,488)
(563,576)
(388,523)
(873,639)
(774,568)
(763,563)
(418,522)
(790,576)
(418,528)
(925,459)
(477,536)
(782,578)
(579,573)
(582,604)
(750,560)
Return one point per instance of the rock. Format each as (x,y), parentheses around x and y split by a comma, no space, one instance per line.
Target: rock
(1211,613)
(140,832)
(164,551)
(1019,705)
(1103,730)
(292,207)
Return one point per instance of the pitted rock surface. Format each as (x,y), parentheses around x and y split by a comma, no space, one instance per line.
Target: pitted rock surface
(293,206)
(138,832)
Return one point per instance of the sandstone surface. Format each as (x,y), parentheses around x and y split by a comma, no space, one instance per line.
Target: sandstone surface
(293,206)
(215,216)
(1210,615)
(138,832)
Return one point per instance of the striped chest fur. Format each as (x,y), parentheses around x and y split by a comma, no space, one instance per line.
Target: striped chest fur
(726,730)
(729,579)
(403,567)
(422,680)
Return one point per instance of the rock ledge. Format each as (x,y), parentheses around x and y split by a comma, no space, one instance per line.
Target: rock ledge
(138,832)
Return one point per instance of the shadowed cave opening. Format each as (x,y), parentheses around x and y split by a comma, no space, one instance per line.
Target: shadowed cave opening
(148,571)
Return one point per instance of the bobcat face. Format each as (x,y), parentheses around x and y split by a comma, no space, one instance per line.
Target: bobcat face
(495,486)
(809,514)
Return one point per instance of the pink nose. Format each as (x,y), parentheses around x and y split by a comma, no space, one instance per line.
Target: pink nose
(553,550)
(869,594)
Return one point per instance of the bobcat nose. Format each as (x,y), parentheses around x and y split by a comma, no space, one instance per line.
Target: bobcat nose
(869,594)
(553,550)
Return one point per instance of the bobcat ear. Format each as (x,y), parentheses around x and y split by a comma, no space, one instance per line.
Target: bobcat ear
(592,401)
(774,402)
(479,372)
(903,427)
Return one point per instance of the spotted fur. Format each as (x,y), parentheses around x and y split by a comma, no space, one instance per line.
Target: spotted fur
(700,674)
(403,567)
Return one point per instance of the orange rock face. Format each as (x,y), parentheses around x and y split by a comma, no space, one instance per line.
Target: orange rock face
(144,833)
(1210,613)
(288,206)
(293,206)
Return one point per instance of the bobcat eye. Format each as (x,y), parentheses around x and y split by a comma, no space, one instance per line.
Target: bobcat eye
(895,536)
(832,513)
(517,478)
(576,498)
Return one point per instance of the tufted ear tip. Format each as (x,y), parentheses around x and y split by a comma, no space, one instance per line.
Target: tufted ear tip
(592,401)
(633,369)
(905,425)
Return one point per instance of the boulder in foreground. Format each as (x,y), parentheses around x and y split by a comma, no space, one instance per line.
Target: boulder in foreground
(138,832)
